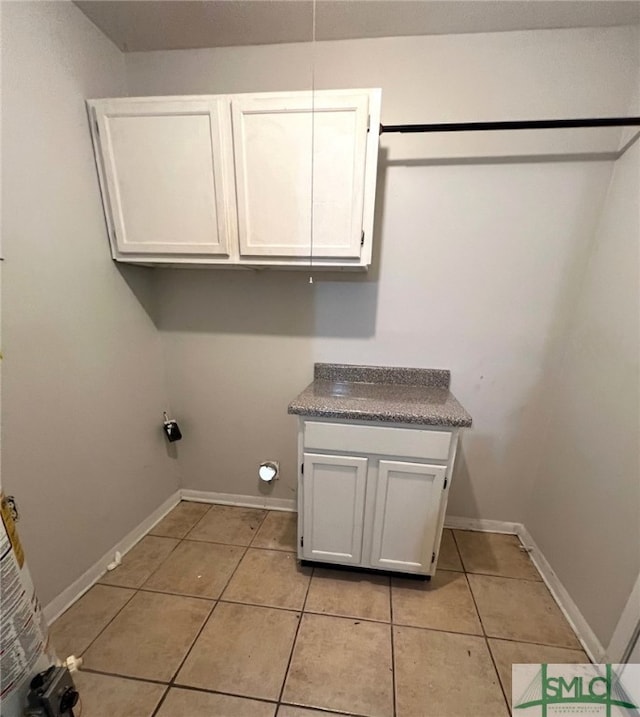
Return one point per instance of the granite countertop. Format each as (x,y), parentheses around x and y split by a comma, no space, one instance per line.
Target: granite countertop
(378,393)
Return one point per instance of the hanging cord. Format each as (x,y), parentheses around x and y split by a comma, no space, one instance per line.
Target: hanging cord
(313,123)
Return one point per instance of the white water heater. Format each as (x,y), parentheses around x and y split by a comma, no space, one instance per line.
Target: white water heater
(24,644)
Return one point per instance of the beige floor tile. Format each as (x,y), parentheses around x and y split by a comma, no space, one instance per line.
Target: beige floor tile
(189,703)
(106,696)
(149,637)
(228,524)
(448,559)
(439,674)
(180,520)
(520,610)
(495,554)
(197,569)
(443,603)
(349,594)
(269,577)
(278,532)
(507,653)
(79,626)
(140,562)
(290,711)
(243,650)
(342,664)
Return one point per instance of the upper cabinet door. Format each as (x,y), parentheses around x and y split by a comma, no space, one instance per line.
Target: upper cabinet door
(300,161)
(161,167)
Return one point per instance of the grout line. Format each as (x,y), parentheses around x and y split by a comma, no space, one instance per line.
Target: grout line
(458,551)
(476,634)
(295,637)
(273,550)
(200,519)
(204,624)
(191,688)
(135,592)
(206,621)
(348,617)
(536,644)
(124,677)
(232,545)
(153,591)
(257,530)
(154,571)
(212,542)
(393,653)
(189,529)
(235,545)
(505,577)
(495,667)
(255,535)
(172,680)
(435,629)
(323,710)
(193,527)
(162,699)
(484,634)
(257,604)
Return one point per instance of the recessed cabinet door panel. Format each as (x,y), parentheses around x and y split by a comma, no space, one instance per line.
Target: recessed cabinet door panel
(408,501)
(300,168)
(334,493)
(162,164)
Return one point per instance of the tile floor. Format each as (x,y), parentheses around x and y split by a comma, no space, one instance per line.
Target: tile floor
(210,614)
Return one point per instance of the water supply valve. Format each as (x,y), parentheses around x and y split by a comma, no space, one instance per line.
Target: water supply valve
(171,429)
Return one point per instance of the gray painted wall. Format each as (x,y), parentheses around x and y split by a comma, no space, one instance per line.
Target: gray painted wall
(83,387)
(584,509)
(475,261)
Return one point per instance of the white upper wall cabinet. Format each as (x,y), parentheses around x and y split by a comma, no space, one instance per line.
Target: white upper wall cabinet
(162,179)
(271,179)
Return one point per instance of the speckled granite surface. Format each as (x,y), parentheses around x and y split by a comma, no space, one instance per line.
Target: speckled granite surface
(435,377)
(377,393)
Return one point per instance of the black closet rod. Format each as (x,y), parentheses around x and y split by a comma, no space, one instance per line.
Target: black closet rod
(509,125)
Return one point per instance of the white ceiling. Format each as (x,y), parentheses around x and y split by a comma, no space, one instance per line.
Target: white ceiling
(138,25)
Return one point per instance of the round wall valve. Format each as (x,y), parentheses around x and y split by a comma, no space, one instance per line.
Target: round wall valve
(269,471)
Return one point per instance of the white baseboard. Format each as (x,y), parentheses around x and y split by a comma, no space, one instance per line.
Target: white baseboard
(585,634)
(80,586)
(570,610)
(626,628)
(484,526)
(243,501)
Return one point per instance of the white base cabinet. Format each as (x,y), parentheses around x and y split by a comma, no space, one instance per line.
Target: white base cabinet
(361,503)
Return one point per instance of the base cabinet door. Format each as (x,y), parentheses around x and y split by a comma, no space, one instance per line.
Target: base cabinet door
(407,506)
(334,490)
